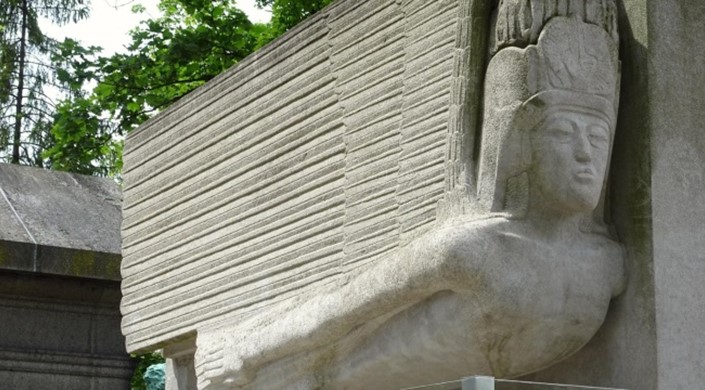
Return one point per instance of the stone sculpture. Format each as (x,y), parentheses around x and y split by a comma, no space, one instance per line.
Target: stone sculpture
(517,286)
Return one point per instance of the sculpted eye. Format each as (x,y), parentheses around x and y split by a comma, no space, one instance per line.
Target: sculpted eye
(561,130)
(598,137)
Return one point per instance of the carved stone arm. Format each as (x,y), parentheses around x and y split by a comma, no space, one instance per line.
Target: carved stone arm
(426,266)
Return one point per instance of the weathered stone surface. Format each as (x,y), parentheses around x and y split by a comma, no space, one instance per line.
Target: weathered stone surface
(384,266)
(677,93)
(652,338)
(59,223)
(449,301)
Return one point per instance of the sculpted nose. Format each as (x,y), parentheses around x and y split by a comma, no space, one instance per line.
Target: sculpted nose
(582,149)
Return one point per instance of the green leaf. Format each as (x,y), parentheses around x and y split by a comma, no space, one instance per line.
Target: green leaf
(134,107)
(103,90)
(138,8)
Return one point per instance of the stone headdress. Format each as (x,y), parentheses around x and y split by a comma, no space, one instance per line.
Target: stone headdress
(548,54)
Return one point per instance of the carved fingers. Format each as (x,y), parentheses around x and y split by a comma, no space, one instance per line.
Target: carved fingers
(219,363)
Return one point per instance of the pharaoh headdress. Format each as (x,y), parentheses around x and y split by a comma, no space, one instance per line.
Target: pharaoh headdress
(548,53)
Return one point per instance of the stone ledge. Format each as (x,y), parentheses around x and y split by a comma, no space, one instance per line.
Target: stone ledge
(50,362)
(59,223)
(52,260)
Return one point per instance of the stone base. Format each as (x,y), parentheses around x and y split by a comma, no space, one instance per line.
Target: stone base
(489,383)
(61,333)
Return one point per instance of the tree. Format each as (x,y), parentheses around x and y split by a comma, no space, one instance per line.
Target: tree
(169,56)
(288,13)
(26,110)
(83,138)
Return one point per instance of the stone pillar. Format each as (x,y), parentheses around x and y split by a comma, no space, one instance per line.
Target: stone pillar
(179,366)
(677,113)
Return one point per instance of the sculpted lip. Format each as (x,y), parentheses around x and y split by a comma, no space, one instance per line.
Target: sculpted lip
(585,174)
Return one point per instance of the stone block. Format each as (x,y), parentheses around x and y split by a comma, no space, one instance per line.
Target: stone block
(59,223)
(61,331)
(60,282)
(314,157)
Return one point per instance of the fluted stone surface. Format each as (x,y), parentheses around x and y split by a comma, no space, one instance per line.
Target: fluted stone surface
(317,155)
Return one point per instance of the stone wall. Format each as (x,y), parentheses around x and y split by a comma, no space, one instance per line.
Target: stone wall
(61,331)
(319,154)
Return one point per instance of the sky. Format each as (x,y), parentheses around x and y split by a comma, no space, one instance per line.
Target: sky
(111,20)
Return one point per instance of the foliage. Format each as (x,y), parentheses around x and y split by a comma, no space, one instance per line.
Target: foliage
(288,13)
(143,362)
(83,139)
(169,56)
(26,112)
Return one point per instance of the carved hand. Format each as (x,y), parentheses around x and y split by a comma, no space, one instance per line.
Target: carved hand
(215,372)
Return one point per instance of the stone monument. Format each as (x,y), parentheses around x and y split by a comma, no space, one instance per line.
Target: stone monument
(60,282)
(398,193)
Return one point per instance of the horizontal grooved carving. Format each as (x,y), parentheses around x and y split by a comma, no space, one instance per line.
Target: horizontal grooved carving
(316,156)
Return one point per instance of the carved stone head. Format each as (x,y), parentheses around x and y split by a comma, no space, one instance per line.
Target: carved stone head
(570,150)
(550,115)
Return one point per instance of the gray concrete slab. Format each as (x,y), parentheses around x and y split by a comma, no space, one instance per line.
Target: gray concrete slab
(59,223)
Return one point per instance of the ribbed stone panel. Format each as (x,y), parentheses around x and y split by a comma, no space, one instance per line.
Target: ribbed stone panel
(319,154)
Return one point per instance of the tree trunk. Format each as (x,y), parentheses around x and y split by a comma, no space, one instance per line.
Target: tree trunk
(20,88)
